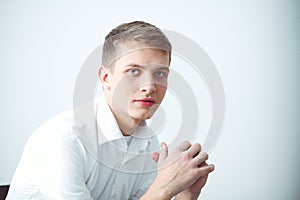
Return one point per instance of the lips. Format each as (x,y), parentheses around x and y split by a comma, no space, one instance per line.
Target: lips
(145,101)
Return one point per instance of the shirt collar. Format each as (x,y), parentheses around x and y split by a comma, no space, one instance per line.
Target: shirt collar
(108,129)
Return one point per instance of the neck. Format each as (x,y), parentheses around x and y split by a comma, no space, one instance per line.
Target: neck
(126,123)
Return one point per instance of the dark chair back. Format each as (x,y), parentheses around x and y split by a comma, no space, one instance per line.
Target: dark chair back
(3,191)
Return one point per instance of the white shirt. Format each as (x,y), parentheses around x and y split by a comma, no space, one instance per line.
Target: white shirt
(56,165)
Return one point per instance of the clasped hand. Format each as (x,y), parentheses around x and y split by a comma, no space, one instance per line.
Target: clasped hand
(181,173)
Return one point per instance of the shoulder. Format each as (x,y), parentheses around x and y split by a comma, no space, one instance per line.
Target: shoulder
(56,138)
(53,160)
(57,129)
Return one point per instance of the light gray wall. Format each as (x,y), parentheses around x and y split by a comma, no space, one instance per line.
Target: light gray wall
(254,45)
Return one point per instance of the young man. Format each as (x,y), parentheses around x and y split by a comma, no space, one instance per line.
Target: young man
(114,156)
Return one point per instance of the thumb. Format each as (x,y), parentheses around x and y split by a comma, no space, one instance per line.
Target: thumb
(155,156)
(163,152)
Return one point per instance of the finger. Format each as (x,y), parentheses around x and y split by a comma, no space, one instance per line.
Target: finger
(203,171)
(163,152)
(155,156)
(203,164)
(200,159)
(194,150)
(184,146)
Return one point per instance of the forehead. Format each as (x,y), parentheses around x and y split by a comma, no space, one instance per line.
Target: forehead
(143,56)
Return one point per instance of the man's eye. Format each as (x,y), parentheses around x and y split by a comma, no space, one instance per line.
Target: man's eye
(134,71)
(159,74)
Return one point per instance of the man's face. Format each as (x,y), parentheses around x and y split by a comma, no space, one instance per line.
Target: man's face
(138,83)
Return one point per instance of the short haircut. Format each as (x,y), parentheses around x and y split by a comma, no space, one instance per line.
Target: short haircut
(133,35)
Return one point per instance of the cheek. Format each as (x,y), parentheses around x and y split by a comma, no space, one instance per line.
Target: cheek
(123,89)
(161,91)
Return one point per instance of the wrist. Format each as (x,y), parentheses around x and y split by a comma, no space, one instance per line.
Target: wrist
(156,192)
(187,196)
(154,195)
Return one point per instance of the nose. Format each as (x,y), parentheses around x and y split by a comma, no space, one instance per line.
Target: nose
(148,88)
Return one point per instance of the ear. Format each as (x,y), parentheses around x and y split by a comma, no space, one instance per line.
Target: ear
(104,76)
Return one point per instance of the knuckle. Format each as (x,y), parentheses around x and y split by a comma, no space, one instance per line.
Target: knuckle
(195,162)
(191,154)
(186,144)
(194,172)
(198,146)
(185,156)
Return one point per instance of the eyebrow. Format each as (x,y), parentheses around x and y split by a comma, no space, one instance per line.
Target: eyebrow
(141,66)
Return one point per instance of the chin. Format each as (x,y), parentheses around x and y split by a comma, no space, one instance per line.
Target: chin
(148,117)
(142,116)
(144,113)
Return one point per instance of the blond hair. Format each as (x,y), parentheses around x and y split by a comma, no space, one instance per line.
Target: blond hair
(130,36)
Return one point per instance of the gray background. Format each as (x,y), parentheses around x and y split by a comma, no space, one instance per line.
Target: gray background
(254,45)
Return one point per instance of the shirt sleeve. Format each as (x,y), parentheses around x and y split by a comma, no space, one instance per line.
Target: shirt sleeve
(51,167)
(148,180)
